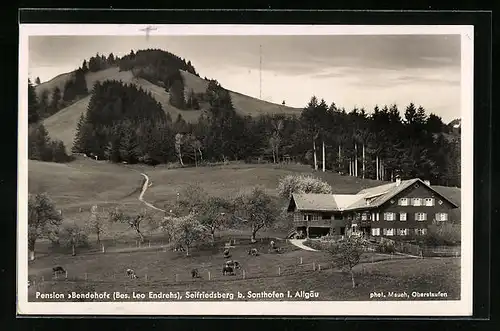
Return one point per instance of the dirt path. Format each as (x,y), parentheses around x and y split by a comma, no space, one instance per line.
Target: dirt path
(145,186)
(300,244)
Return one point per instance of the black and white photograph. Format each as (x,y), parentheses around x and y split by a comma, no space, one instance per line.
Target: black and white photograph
(245,170)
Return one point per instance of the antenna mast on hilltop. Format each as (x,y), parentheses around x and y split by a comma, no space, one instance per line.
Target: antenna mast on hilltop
(260,72)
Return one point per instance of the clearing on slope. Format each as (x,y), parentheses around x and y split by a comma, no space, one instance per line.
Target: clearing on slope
(83,183)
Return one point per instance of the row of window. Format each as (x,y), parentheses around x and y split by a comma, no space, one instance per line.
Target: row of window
(418,202)
(418,216)
(398,232)
(389,216)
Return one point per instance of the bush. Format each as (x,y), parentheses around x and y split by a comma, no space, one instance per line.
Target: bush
(386,247)
(449,234)
(302,184)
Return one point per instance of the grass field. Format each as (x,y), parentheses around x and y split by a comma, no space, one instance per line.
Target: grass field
(85,182)
(169,271)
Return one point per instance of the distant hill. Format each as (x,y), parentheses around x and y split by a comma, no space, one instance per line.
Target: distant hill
(62,124)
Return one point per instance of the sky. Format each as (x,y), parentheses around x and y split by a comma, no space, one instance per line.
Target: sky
(352,71)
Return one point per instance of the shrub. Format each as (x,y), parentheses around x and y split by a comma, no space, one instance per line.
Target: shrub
(302,184)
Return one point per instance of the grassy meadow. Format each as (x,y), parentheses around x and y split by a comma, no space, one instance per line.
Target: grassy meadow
(166,271)
(76,186)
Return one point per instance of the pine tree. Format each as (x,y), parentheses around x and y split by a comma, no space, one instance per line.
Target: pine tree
(33,115)
(79,141)
(84,66)
(176,97)
(55,101)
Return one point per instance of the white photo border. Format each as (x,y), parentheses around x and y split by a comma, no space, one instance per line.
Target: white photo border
(462,307)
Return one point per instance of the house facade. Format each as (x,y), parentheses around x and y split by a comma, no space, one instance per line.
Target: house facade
(402,208)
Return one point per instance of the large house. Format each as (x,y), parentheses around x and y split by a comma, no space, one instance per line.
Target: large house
(401,208)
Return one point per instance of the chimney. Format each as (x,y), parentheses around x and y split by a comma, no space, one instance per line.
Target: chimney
(428,183)
(398,180)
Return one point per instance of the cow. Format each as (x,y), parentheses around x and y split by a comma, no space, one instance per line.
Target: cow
(226,270)
(179,249)
(195,274)
(58,270)
(253,252)
(226,253)
(233,264)
(131,274)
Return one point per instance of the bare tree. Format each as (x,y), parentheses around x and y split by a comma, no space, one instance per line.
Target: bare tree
(184,231)
(257,208)
(43,219)
(73,236)
(97,223)
(179,141)
(346,254)
(134,221)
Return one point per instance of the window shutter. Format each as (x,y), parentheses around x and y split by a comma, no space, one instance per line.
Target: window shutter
(416,216)
(425,216)
(445,216)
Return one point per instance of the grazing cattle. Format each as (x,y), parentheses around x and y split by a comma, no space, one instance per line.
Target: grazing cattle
(179,249)
(131,274)
(226,270)
(253,252)
(226,253)
(57,270)
(233,264)
(195,274)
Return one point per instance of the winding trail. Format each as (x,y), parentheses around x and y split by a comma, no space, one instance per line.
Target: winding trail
(145,186)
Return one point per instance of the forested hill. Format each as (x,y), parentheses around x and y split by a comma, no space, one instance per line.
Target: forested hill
(166,113)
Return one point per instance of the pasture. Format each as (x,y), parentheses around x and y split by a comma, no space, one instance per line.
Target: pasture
(85,182)
(162,270)
(76,186)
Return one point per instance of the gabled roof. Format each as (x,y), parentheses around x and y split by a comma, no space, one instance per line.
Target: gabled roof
(310,201)
(383,193)
(376,196)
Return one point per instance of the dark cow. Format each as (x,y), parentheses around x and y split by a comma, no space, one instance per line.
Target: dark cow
(131,274)
(226,253)
(195,274)
(226,270)
(58,270)
(179,249)
(233,264)
(253,252)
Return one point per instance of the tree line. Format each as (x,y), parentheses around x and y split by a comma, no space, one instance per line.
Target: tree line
(50,102)
(124,123)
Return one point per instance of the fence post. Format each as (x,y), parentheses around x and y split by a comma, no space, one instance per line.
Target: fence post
(209,278)
(56,274)
(146,277)
(86,276)
(372,258)
(149,243)
(319,267)
(103,250)
(176,277)
(314,266)
(301,260)
(66,275)
(243,273)
(279,271)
